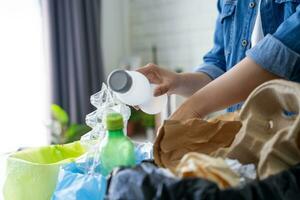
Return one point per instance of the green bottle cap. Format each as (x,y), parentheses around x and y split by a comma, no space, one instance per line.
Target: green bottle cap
(114,121)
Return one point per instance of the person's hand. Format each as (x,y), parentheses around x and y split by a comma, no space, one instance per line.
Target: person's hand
(166,80)
(191,108)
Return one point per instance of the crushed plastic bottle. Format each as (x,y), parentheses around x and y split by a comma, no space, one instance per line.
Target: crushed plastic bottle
(105,101)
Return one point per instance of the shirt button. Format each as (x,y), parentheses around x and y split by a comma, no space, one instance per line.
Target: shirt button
(251,4)
(244,43)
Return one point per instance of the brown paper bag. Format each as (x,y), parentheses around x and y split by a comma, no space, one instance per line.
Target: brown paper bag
(175,139)
(230,116)
(269,137)
(207,167)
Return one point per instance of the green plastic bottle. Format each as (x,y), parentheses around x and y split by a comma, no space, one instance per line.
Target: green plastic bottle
(117,149)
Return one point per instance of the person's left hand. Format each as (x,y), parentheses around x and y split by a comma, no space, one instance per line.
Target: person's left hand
(188,110)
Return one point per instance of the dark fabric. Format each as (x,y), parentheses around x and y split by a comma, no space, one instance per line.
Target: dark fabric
(146,181)
(75,54)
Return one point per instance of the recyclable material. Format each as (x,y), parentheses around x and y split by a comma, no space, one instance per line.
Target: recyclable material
(177,138)
(75,183)
(105,102)
(270,135)
(31,174)
(117,149)
(83,179)
(134,89)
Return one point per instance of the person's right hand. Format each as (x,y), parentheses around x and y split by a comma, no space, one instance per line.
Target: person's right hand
(166,80)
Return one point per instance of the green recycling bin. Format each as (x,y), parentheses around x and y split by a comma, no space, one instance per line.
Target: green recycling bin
(32,174)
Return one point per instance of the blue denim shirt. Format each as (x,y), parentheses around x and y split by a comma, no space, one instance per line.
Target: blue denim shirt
(278,52)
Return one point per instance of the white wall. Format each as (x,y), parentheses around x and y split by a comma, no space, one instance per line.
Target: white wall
(182,30)
(115,32)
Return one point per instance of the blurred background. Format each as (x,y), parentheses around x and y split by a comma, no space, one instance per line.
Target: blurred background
(54,54)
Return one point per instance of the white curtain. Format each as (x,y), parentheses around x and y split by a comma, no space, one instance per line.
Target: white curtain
(24,98)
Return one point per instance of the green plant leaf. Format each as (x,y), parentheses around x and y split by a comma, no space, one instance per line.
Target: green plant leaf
(59,114)
(75,131)
(148,120)
(136,115)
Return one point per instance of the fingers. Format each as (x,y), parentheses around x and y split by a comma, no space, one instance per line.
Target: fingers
(151,72)
(153,78)
(146,69)
(160,90)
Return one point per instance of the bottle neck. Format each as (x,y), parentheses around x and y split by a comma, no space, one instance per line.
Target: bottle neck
(115,133)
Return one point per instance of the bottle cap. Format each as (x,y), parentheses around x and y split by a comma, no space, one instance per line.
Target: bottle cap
(114,121)
(119,81)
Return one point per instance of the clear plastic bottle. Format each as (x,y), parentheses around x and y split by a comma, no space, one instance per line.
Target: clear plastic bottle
(133,88)
(117,149)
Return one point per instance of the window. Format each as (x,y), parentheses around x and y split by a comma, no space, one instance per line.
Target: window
(23,76)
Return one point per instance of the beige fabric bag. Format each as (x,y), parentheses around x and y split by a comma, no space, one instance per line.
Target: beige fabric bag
(175,139)
(207,167)
(269,138)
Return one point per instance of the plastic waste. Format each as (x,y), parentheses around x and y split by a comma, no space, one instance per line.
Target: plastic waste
(105,102)
(116,149)
(143,151)
(146,181)
(155,104)
(32,173)
(83,179)
(134,89)
(246,172)
(76,182)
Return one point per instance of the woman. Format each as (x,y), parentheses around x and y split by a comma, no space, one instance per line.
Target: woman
(255,41)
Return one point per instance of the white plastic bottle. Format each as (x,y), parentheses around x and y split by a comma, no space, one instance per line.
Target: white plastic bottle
(133,88)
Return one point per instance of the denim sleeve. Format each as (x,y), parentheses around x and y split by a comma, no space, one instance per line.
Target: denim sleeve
(214,61)
(280,53)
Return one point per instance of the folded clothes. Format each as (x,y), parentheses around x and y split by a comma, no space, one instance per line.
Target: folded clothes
(176,138)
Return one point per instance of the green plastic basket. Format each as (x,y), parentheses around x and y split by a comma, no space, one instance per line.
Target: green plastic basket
(32,174)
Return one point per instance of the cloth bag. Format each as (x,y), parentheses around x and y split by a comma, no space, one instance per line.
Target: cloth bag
(207,167)
(270,135)
(31,174)
(175,139)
